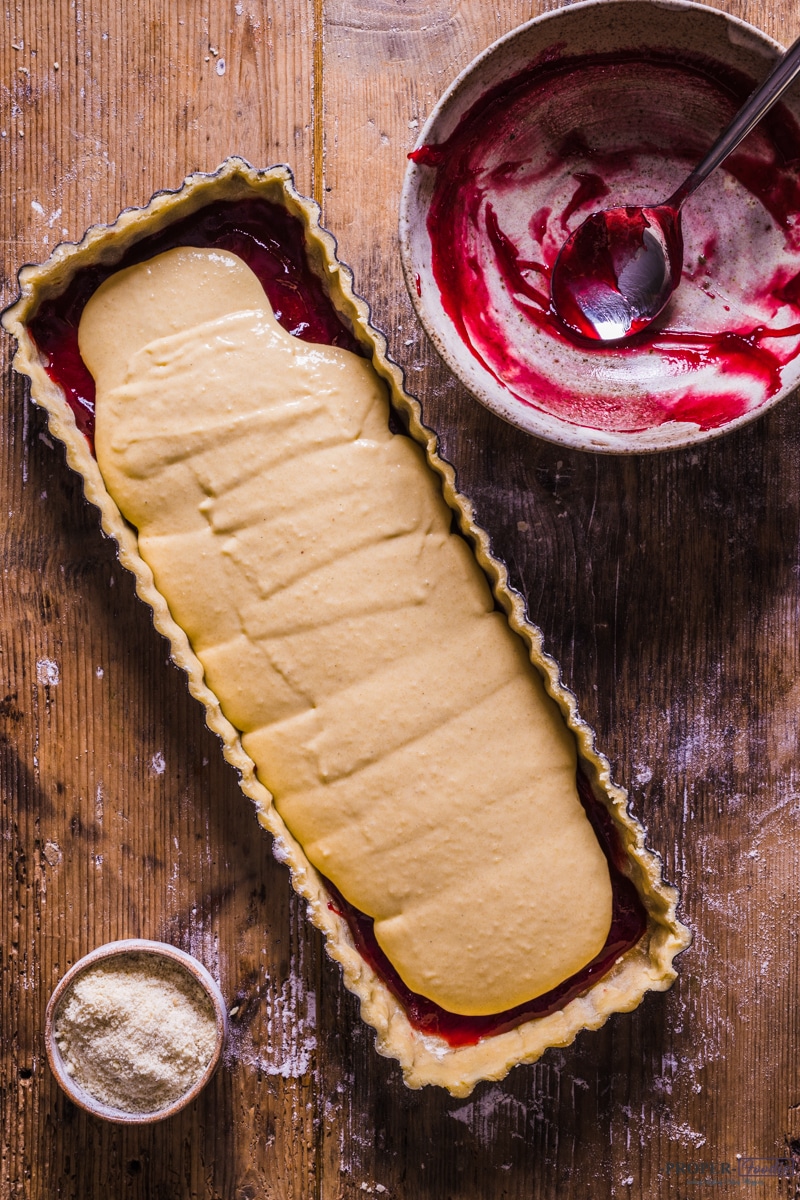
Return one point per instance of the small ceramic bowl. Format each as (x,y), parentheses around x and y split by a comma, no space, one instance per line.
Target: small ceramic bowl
(164,957)
(596,104)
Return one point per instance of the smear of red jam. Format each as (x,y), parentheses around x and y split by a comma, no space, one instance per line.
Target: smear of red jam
(494,281)
(271,242)
(590,188)
(628,924)
(267,237)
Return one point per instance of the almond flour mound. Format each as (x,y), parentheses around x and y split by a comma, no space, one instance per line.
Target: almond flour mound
(135,1033)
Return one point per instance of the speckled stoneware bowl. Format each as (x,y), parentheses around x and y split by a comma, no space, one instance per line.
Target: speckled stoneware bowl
(602,103)
(162,953)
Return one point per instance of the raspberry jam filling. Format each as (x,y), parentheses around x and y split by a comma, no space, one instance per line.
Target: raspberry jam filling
(267,237)
(271,242)
(537,154)
(628,923)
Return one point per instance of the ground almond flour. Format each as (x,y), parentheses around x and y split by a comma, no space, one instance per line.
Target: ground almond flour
(136,1033)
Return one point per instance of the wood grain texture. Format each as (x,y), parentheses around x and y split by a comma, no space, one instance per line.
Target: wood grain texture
(668,588)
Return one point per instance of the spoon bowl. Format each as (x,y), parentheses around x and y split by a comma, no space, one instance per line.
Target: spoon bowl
(615,274)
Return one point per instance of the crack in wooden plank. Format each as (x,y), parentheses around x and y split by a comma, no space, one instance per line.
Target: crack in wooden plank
(318,105)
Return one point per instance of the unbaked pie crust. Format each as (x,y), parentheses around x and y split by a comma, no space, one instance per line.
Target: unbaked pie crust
(424,1058)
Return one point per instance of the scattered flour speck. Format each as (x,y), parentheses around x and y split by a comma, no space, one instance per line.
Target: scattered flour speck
(493,1108)
(47,672)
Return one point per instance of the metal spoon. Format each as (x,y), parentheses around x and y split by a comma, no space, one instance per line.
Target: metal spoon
(616,272)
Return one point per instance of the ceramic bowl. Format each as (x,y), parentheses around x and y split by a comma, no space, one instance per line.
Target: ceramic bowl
(161,953)
(596,104)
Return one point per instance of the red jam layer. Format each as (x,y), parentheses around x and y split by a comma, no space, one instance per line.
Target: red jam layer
(540,152)
(628,924)
(271,241)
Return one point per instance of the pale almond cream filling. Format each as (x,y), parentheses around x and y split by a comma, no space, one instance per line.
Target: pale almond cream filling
(408,742)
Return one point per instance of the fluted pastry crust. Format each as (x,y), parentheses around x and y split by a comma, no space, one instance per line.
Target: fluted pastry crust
(424,1059)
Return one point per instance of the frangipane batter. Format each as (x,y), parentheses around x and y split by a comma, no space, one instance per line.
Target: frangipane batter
(307,553)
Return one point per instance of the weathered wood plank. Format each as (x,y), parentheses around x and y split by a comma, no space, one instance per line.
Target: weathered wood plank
(647,578)
(119,816)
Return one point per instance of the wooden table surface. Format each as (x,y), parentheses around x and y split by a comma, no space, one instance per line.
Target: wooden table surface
(667,587)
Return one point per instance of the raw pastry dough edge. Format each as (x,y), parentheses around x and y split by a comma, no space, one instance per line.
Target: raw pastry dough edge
(648,966)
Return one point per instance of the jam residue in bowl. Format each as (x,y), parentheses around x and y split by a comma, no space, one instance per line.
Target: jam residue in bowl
(542,150)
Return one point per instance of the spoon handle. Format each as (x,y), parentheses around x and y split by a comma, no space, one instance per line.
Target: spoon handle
(748,115)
